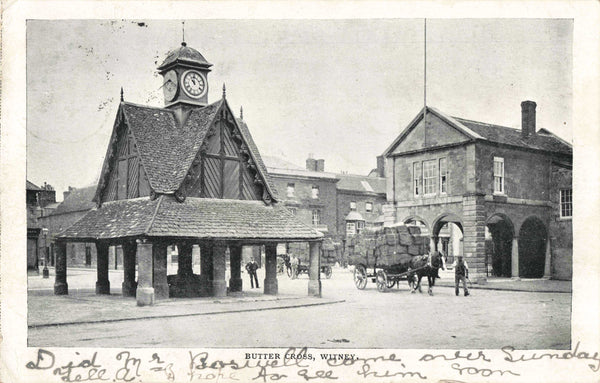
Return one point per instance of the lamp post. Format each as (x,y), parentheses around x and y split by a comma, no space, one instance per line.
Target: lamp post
(45,272)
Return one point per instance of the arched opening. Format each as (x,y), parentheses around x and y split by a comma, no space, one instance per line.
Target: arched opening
(447,236)
(532,248)
(417,221)
(498,245)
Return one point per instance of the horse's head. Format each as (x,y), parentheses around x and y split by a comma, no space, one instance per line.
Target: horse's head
(437,260)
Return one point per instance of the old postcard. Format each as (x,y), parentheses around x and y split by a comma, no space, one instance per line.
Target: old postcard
(262,191)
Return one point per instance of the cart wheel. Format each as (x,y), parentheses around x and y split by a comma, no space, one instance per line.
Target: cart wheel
(360,277)
(382,281)
(328,272)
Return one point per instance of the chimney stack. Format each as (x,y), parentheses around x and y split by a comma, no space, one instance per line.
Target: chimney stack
(66,193)
(527,118)
(320,165)
(311,164)
(380,166)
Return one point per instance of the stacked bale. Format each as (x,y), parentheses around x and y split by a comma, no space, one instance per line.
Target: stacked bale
(390,246)
(328,253)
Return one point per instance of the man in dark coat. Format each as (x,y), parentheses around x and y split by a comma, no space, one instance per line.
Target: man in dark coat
(251,268)
(461,273)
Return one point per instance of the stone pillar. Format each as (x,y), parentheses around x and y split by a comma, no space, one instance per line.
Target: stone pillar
(515,259)
(159,270)
(219,284)
(129,284)
(102,282)
(474,235)
(235,265)
(145,291)
(184,262)
(206,269)
(314,270)
(548,261)
(270,282)
(60,280)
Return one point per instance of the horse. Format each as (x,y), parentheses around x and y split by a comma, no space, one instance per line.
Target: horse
(427,265)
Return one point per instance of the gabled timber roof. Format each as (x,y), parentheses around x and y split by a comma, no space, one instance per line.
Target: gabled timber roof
(166,150)
(203,218)
(543,139)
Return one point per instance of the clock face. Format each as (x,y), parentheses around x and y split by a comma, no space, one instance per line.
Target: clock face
(170,85)
(194,84)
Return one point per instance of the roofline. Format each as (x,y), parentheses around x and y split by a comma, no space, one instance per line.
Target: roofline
(557,137)
(365,192)
(54,213)
(307,176)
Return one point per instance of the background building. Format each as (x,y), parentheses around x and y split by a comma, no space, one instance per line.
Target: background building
(507,188)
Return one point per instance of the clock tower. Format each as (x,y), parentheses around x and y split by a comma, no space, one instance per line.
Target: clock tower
(185,84)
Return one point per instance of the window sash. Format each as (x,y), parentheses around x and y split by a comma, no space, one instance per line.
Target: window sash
(290,190)
(315,192)
(429,176)
(352,205)
(443,176)
(566,203)
(498,175)
(417,178)
(369,207)
(316,218)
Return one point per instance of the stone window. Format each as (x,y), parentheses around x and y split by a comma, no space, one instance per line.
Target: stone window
(290,189)
(566,203)
(429,176)
(499,175)
(316,217)
(417,178)
(369,207)
(352,205)
(443,176)
(315,192)
(360,225)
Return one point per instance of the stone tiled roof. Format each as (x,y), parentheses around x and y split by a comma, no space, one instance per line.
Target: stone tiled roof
(77,200)
(32,186)
(500,134)
(359,183)
(202,218)
(166,150)
(184,54)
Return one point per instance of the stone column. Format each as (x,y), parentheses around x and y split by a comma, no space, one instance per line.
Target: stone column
(474,235)
(314,270)
(548,261)
(184,262)
(235,265)
(159,268)
(145,291)
(60,280)
(129,284)
(270,282)
(515,259)
(206,269)
(102,282)
(219,284)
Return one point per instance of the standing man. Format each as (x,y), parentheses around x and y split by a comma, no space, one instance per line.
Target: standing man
(251,268)
(294,262)
(461,273)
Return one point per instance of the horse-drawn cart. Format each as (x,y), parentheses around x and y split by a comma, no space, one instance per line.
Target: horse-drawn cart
(394,254)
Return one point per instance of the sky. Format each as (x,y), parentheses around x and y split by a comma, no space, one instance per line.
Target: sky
(341,90)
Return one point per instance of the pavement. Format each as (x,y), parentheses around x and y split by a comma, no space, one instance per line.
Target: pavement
(82,305)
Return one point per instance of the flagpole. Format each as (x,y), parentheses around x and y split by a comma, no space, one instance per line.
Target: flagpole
(425,80)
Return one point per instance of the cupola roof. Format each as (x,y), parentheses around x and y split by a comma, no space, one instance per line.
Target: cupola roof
(184,54)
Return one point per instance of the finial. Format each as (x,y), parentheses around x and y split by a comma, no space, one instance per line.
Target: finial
(241,113)
(183,34)
(223,90)
(121,94)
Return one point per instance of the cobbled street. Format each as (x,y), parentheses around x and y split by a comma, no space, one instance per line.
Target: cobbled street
(366,319)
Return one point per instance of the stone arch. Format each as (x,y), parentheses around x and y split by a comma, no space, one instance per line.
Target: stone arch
(498,247)
(411,219)
(533,237)
(445,237)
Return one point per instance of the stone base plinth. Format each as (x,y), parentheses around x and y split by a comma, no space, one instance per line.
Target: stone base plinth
(314,288)
(103,287)
(271,286)
(128,288)
(144,296)
(61,288)
(219,288)
(235,284)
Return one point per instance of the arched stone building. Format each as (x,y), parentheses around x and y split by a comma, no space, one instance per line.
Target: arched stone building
(509,192)
(186,174)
